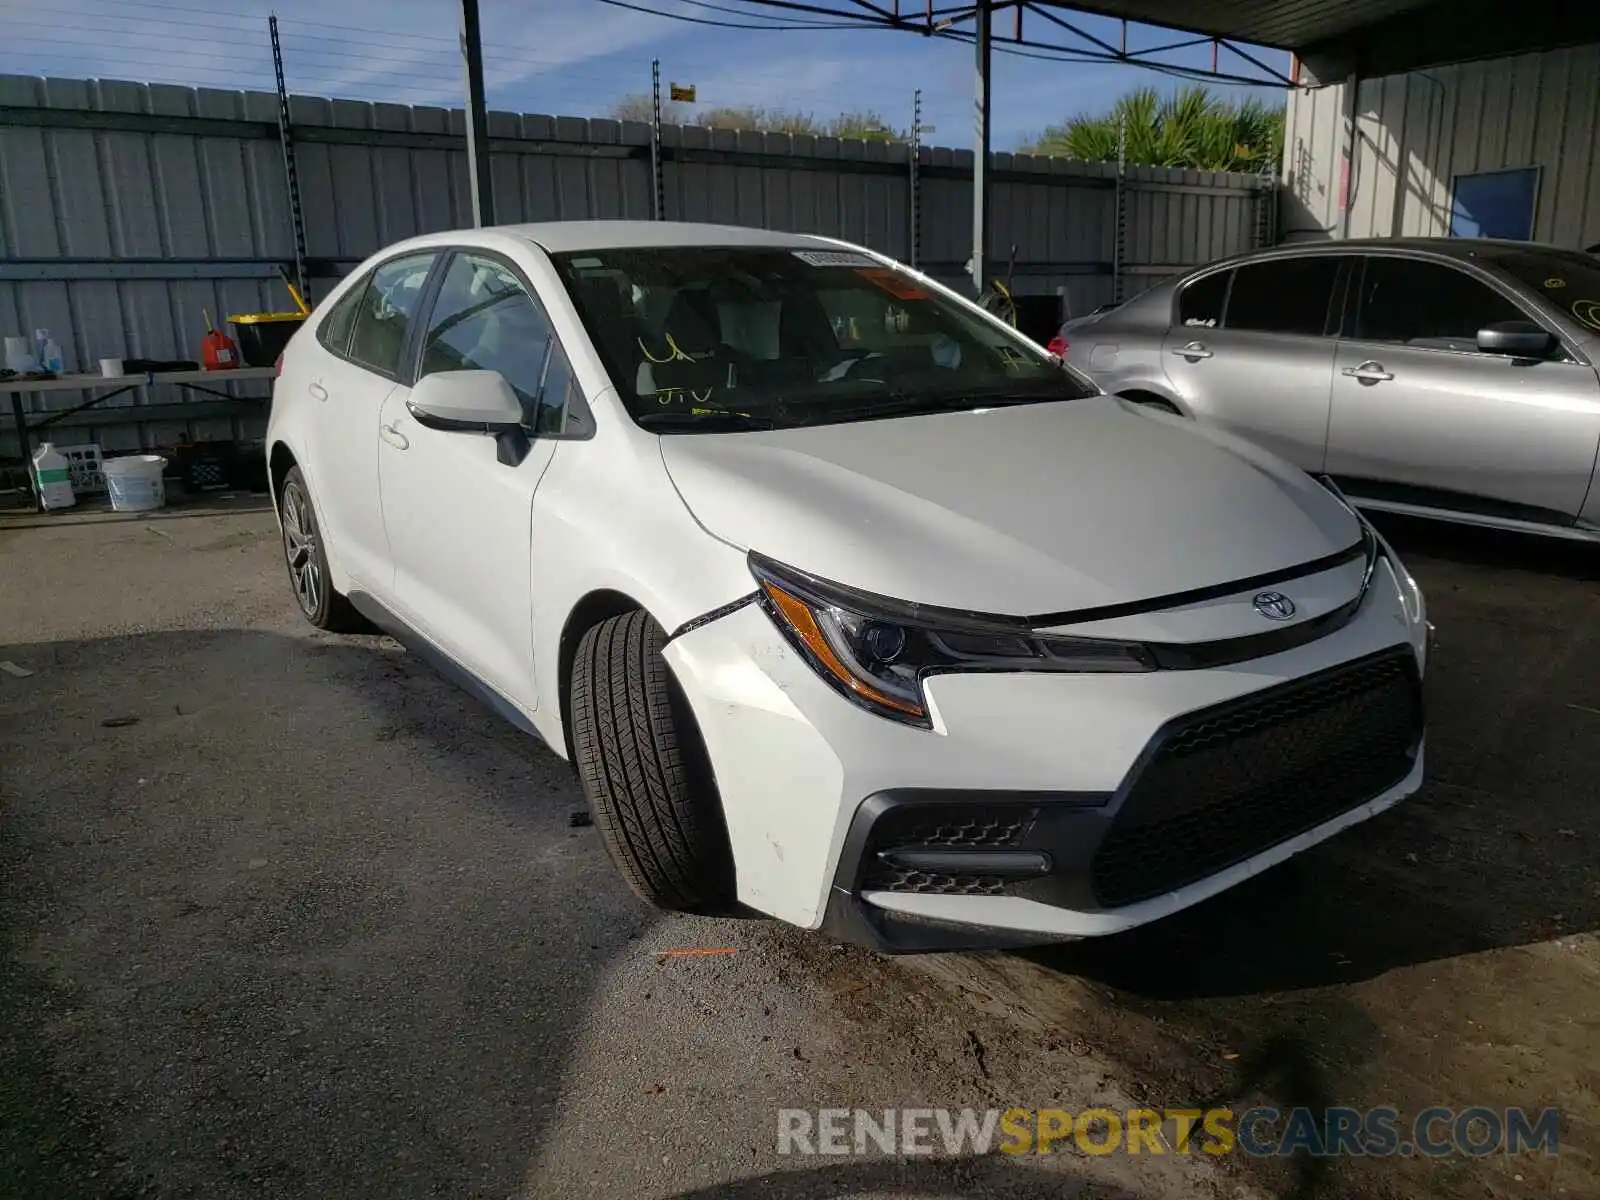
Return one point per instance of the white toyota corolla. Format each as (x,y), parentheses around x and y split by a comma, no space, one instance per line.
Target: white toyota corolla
(850,605)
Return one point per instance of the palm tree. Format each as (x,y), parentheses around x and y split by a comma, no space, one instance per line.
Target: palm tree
(1192,127)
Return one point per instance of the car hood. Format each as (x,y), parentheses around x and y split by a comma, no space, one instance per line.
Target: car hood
(1024,511)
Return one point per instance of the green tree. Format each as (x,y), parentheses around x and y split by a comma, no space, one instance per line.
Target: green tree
(1192,127)
(636,107)
(753,116)
(866,125)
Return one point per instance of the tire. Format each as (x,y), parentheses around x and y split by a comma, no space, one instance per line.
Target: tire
(307,561)
(644,769)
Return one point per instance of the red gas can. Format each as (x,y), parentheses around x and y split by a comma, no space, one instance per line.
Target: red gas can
(218,352)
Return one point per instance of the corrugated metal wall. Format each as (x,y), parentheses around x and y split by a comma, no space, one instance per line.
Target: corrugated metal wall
(127,209)
(1416,132)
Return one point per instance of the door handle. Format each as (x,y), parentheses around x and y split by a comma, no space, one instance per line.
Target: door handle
(394,437)
(317,391)
(1368,372)
(1193,351)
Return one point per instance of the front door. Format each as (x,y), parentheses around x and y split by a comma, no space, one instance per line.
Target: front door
(459,519)
(1421,415)
(1256,357)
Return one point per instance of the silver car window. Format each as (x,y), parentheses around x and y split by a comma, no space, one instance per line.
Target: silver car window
(1283,295)
(1419,303)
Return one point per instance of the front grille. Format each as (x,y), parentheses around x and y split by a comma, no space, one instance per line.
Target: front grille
(884,878)
(1229,782)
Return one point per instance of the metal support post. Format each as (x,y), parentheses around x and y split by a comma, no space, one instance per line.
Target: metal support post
(983,57)
(916,181)
(478,176)
(658,185)
(297,217)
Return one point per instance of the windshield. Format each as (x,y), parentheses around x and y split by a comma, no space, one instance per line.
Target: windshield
(704,339)
(1567,280)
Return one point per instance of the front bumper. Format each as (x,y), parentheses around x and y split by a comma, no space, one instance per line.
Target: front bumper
(1045,806)
(1216,796)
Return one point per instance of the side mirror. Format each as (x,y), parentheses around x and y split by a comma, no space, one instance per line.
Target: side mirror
(467,401)
(1519,339)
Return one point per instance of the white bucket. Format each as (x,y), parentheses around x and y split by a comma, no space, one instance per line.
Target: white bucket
(134,482)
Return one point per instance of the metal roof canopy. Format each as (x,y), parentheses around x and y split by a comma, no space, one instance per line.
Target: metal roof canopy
(1333,39)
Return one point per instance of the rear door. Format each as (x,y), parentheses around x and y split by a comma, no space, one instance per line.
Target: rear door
(1421,415)
(1252,351)
(364,343)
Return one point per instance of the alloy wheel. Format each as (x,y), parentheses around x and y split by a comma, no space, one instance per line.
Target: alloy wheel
(300,549)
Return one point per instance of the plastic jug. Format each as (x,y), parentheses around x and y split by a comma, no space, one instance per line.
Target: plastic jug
(47,350)
(54,477)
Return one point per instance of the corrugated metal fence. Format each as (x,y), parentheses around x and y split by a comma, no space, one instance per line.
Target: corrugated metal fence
(127,209)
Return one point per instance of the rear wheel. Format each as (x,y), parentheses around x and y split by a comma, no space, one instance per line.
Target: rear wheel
(644,769)
(308,561)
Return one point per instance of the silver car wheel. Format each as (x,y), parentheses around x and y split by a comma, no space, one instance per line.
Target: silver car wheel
(300,549)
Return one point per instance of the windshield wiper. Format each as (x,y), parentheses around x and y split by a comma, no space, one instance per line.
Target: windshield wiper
(705,418)
(906,404)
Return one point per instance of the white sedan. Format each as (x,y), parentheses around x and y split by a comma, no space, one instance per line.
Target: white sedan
(850,605)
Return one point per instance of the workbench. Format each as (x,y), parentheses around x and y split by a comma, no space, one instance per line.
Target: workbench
(104,388)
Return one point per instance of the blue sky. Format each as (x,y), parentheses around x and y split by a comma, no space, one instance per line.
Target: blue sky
(570,57)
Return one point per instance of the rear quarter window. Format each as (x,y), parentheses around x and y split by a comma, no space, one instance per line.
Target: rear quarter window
(334,330)
(1200,303)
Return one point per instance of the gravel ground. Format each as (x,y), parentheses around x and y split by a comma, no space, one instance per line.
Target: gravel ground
(283,914)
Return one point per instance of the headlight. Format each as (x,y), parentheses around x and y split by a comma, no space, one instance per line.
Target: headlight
(877,651)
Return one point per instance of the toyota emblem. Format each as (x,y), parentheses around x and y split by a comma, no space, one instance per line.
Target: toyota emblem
(1274,606)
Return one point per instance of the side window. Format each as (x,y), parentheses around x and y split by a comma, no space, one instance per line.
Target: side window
(1200,304)
(484,320)
(1414,302)
(1285,295)
(334,331)
(387,310)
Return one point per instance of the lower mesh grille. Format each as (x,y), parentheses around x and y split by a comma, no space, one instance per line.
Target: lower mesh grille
(962,826)
(1232,781)
(944,827)
(883,878)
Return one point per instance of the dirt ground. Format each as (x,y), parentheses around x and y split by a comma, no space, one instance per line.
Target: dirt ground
(283,914)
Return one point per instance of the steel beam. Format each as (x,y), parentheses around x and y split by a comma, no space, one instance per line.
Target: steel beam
(477,117)
(983,95)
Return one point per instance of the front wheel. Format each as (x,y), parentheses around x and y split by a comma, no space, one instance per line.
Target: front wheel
(308,562)
(644,769)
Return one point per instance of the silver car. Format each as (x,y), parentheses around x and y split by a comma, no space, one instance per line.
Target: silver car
(1442,377)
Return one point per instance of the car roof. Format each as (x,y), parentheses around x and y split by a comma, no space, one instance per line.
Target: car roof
(1445,247)
(563,237)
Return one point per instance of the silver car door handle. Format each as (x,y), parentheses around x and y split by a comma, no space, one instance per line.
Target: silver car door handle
(394,437)
(1192,351)
(317,391)
(1368,372)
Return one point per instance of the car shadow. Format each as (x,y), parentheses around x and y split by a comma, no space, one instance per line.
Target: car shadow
(282,917)
(992,1177)
(1465,545)
(290,916)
